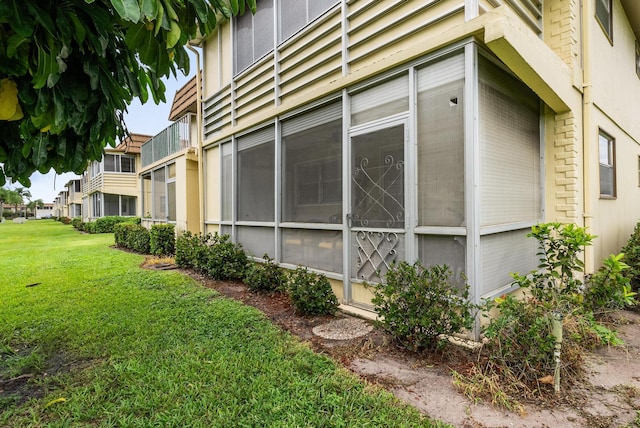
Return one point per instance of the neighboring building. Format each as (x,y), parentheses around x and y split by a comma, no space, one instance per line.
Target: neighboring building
(169,174)
(74,198)
(111,187)
(60,206)
(47,211)
(347,135)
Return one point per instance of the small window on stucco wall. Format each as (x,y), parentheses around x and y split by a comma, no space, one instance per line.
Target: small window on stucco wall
(607,145)
(604,15)
(637,58)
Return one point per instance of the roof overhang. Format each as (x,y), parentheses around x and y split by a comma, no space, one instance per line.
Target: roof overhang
(529,58)
(632,9)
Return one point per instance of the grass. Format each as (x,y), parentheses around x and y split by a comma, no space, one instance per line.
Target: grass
(100,342)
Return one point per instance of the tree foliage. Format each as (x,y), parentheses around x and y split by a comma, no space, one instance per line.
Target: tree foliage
(70,68)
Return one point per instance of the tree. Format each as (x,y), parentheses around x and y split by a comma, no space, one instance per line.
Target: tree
(23,193)
(17,198)
(33,205)
(70,68)
(13,198)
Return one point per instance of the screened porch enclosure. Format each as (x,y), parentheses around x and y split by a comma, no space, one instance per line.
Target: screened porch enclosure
(438,161)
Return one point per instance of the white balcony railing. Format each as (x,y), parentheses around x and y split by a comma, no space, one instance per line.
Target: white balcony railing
(172,139)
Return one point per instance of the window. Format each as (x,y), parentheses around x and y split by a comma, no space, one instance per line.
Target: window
(96,204)
(441,143)
(295,14)
(312,165)
(128,164)
(119,163)
(253,35)
(256,176)
(147,199)
(607,165)
(603,13)
(95,168)
(227,182)
(637,58)
(159,195)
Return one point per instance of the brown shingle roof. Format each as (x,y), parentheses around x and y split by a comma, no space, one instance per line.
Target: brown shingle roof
(132,143)
(184,101)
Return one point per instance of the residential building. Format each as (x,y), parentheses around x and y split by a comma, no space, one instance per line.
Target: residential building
(47,211)
(169,170)
(349,135)
(110,187)
(74,198)
(60,206)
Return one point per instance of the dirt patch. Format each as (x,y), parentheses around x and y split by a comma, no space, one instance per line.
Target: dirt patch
(32,383)
(609,397)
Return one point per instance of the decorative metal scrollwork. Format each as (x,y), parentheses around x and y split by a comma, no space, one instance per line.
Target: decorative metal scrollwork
(376,200)
(376,252)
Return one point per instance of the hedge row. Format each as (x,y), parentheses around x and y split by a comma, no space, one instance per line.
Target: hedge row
(101,225)
(160,240)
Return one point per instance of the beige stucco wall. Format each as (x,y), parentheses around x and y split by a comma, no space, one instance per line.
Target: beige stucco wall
(613,107)
(187,211)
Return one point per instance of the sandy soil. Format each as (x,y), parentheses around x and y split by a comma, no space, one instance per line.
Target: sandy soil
(609,397)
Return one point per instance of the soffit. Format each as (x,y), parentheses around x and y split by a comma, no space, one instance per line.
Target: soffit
(632,9)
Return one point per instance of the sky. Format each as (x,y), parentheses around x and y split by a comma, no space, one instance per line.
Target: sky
(147,119)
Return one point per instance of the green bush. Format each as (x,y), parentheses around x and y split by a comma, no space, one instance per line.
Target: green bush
(632,258)
(520,337)
(106,224)
(222,259)
(77,223)
(90,227)
(608,288)
(418,305)
(191,250)
(132,236)
(266,277)
(311,293)
(162,240)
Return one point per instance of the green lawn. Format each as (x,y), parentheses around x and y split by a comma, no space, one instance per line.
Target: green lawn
(101,342)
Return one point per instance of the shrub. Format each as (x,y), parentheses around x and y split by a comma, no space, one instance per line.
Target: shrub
(608,288)
(187,249)
(77,223)
(90,227)
(162,240)
(632,258)
(418,305)
(310,293)
(222,259)
(520,337)
(106,224)
(554,282)
(132,236)
(265,277)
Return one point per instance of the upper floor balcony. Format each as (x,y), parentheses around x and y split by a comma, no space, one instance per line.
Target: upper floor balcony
(173,139)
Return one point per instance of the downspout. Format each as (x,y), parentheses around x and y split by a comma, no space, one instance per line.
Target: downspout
(587,104)
(199,137)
